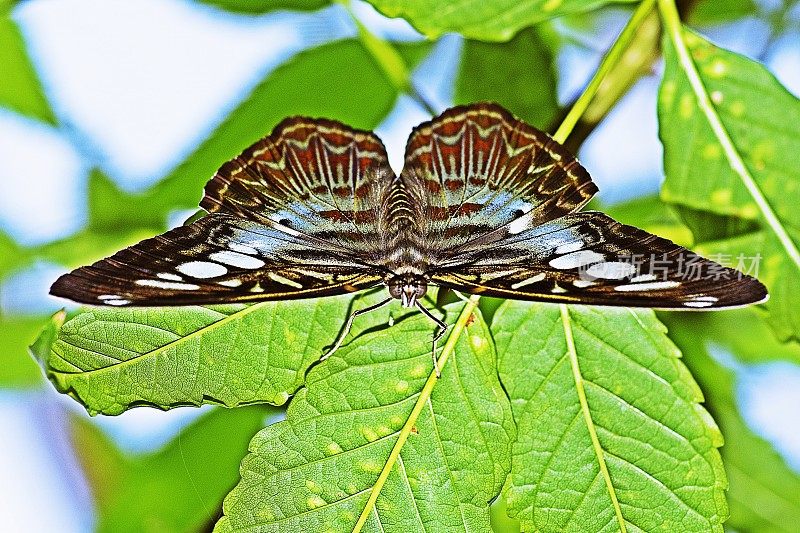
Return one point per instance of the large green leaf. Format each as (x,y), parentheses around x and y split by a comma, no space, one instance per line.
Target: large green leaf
(266,6)
(114,359)
(178,488)
(20,89)
(518,74)
(340,80)
(316,470)
(498,20)
(610,432)
(17,369)
(728,129)
(764,492)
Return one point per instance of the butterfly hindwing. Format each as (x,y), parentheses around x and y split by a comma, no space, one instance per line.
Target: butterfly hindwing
(319,177)
(589,258)
(217,259)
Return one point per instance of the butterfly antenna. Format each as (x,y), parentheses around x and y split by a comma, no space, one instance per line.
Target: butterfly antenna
(349,324)
(440,331)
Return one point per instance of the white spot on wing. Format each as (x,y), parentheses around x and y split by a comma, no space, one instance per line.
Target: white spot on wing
(576,259)
(242,248)
(236,259)
(655,286)
(117,302)
(568,247)
(698,304)
(171,277)
(644,277)
(519,225)
(286,281)
(611,270)
(202,269)
(557,289)
(108,297)
(583,283)
(167,284)
(534,279)
(230,283)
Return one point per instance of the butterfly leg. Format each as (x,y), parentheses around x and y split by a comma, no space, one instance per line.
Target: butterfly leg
(441,329)
(349,324)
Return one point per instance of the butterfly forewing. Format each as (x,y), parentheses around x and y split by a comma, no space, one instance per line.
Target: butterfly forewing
(216,259)
(476,168)
(589,258)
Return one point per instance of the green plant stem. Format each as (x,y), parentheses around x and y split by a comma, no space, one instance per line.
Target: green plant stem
(389,60)
(424,397)
(609,62)
(674,28)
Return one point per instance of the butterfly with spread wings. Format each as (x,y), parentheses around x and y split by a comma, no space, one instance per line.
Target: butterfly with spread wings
(485,204)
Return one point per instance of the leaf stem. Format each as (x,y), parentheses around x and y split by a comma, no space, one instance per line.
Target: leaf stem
(587,415)
(424,396)
(610,60)
(389,60)
(674,28)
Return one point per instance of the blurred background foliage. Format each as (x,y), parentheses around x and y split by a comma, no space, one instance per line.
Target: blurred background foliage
(153,471)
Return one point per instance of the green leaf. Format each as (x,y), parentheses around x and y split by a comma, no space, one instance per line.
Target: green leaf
(17,370)
(610,432)
(266,6)
(316,470)
(114,359)
(20,89)
(518,74)
(764,492)
(178,488)
(340,80)
(713,12)
(498,20)
(727,126)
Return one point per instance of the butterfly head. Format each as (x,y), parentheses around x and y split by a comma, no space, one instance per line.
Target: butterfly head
(407,288)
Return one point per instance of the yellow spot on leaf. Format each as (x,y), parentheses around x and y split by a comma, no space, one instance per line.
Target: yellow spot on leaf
(686,106)
(737,108)
(281,398)
(717,68)
(419,371)
(401,386)
(749,210)
(370,466)
(396,422)
(716,97)
(713,151)
(369,434)
(762,153)
(315,502)
(551,5)
(477,342)
(313,487)
(333,448)
(667,93)
(721,196)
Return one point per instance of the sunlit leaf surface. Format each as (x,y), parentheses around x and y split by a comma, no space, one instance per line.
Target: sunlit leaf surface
(764,492)
(498,20)
(759,117)
(610,435)
(316,470)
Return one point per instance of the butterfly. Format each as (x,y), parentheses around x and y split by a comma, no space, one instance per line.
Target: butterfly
(485,204)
